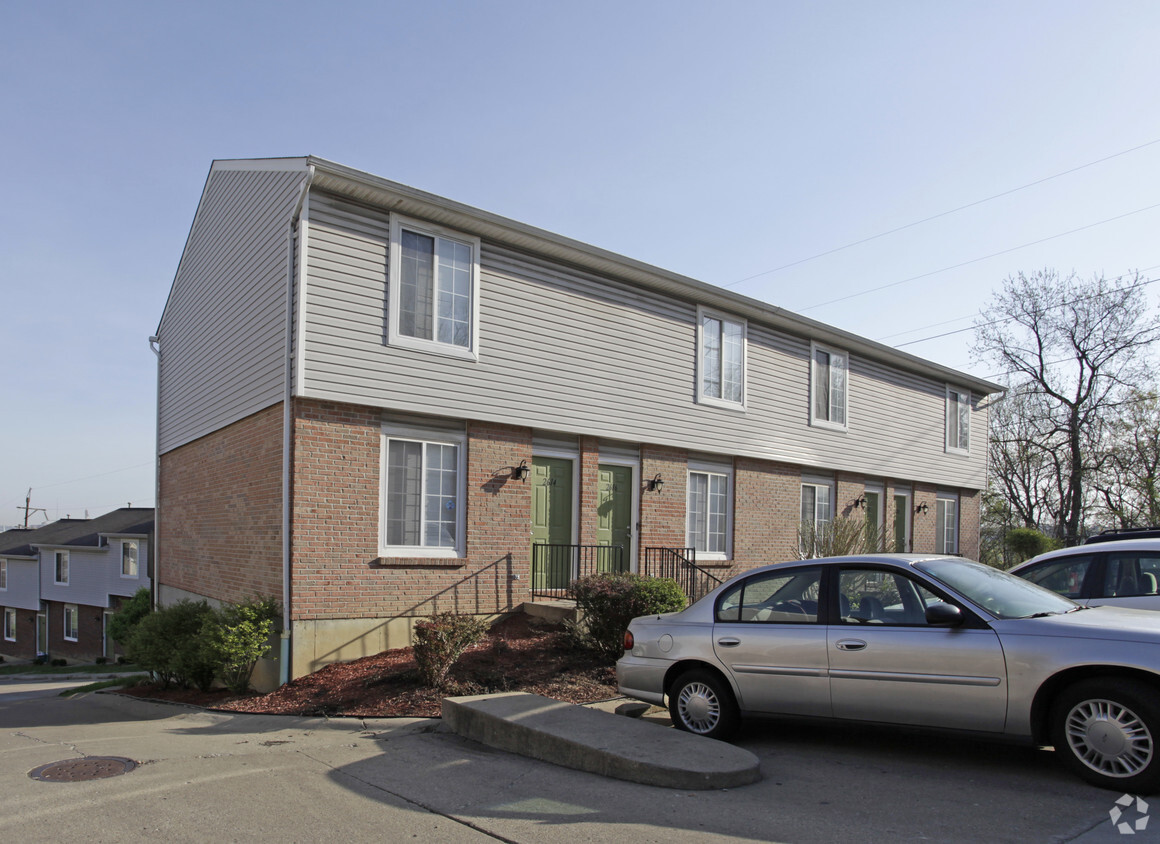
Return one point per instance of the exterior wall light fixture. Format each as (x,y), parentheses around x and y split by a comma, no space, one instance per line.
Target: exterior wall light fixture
(860,501)
(655,484)
(922,508)
(521,472)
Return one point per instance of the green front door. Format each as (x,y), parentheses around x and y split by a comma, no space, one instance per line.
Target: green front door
(552,521)
(614,517)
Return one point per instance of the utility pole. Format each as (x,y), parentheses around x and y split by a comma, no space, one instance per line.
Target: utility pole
(27,508)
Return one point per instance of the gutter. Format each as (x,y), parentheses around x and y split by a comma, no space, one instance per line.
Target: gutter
(155,347)
(287,421)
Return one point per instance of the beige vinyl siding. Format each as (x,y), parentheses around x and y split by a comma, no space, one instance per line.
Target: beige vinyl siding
(222,335)
(563,349)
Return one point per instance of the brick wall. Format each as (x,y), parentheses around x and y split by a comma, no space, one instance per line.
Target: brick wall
(767,508)
(662,513)
(924,523)
(89,632)
(25,645)
(336,568)
(220,518)
(969,508)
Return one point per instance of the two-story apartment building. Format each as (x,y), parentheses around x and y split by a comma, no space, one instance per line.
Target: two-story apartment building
(60,583)
(373,402)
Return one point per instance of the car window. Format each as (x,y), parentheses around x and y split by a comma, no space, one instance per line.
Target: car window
(777,597)
(871,596)
(1131,573)
(1064,575)
(1002,595)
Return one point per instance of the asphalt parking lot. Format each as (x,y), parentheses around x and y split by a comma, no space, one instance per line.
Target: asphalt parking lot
(216,776)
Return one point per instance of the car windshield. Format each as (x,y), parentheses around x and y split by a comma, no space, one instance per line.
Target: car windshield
(1001,594)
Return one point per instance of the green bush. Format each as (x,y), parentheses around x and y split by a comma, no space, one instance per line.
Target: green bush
(608,602)
(169,642)
(1025,543)
(440,640)
(129,615)
(237,636)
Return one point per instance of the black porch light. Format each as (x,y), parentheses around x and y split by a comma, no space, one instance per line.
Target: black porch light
(521,472)
(655,484)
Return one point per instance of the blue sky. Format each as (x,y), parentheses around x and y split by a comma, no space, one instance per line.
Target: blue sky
(720,140)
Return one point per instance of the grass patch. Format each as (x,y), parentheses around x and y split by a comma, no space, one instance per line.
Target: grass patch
(64,669)
(132,680)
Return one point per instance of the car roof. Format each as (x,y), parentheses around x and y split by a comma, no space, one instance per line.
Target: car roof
(889,559)
(1098,547)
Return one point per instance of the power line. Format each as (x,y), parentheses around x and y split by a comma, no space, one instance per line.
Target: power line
(91,477)
(943,214)
(977,260)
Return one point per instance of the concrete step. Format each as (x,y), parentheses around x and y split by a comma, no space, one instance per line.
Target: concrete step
(556,612)
(599,742)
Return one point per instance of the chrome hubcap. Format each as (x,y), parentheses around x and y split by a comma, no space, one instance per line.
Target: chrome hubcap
(1109,738)
(698,707)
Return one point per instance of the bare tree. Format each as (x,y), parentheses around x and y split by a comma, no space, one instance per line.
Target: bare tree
(1127,485)
(1075,349)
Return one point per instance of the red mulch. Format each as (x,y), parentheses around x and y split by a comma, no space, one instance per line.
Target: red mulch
(519,654)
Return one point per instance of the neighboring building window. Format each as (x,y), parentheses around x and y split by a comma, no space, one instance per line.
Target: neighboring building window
(422,492)
(129,549)
(829,369)
(434,289)
(721,359)
(9,625)
(958,421)
(707,529)
(946,529)
(817,517)
(70,622)
(62,567)
(3,574)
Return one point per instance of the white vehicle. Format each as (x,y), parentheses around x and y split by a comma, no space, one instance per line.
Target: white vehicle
(1120,573)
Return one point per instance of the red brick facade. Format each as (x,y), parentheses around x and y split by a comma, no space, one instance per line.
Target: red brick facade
(221,512)
(24,646)
(90,636)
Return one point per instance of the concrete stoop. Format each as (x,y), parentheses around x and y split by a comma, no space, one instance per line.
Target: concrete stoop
(599,742)
(556,612)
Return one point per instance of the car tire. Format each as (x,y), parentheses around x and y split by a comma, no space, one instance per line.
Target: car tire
(701,702)
(1108,732)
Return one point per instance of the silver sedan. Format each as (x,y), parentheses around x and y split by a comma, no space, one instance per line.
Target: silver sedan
(923,641)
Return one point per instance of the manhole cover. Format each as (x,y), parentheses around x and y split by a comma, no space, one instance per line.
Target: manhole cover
(80,770)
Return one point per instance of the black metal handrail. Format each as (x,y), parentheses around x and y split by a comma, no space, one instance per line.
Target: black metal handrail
(554,567)
(680,564)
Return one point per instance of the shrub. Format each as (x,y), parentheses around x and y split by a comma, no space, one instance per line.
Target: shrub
(440,640)
(237,636)
(58,662)
(608,602)
(125,619)
(169,643)
(1025,543)
(101,660)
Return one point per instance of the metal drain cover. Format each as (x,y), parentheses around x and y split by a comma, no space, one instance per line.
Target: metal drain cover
(82,770)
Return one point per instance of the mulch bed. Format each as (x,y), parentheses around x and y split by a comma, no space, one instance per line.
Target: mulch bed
(519,654)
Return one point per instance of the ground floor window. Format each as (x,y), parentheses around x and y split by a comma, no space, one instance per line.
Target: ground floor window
(707,526)
(817,517)
(71,622)
(422,496)
(9,625)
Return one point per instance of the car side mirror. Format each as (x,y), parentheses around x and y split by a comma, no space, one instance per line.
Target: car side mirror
(944,615)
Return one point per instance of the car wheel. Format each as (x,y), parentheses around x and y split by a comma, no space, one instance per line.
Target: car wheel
(1108,732)
(701,702)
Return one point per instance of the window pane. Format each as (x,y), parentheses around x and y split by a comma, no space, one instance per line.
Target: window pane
(821,385)
(711,357)
(809,503)
(416,291)
(454,292)
(715,538)
(129,559)
(440,516)
(698,509)
(732,369)
(946,527)
(774,598)
(404,487)
(838,389)
(964,422)
(1063,576)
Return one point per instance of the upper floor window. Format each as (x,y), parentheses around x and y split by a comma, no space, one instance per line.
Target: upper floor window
(721,359)
(129,549)
(708,516)
(61,568)
(958,421)
(946,529)
(817,517)
(422,494)
(3,574)
(828,380)
(434,289)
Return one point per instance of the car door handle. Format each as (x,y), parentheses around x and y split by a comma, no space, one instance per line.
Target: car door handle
(729,642)
(850,644)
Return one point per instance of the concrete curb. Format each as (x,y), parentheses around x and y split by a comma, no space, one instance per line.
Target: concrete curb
(52,678)
(598,742)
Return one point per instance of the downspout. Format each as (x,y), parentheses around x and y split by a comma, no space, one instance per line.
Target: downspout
(287,422)
(155,347)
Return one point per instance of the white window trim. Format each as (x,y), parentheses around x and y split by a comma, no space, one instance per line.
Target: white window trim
(909,517)
(3,575)
(394,287)
(727,472)
(951,498)
(136,576)
(74,611)
(56,568)
(878,489)
(394,432)
(948,411)
(818,482)
(9,614)
(815,422)
(703,312)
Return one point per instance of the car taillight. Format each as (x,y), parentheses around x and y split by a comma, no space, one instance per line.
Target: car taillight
(628,640)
